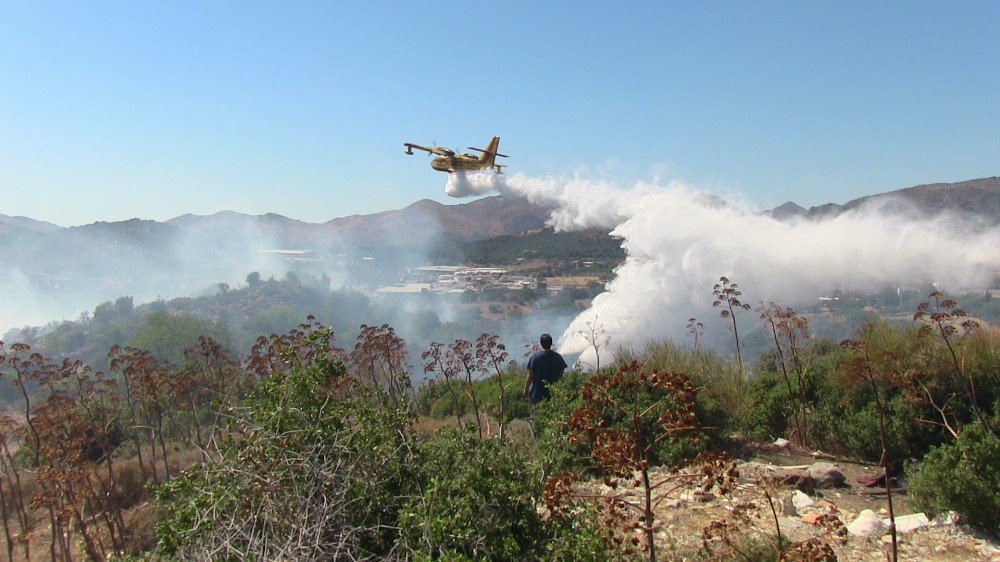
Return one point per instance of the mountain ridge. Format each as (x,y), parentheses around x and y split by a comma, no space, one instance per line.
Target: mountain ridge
(493,216)
(970,198)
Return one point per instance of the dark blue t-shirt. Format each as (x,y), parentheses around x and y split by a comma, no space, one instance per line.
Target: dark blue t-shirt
(548,367)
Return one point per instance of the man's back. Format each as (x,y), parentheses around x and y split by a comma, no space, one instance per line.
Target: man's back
(546,367)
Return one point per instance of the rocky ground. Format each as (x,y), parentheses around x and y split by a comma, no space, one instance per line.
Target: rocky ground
(856,515)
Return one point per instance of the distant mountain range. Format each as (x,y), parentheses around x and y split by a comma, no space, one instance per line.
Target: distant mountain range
(426,221)
(8,224)
(978,198)
(42,249)
(419,224)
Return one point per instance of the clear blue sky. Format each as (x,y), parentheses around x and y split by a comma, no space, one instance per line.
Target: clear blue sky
(117,110)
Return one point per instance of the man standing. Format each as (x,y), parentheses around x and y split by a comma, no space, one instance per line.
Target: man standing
(544,367)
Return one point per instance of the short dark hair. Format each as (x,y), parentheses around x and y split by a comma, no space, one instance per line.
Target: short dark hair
(546,341)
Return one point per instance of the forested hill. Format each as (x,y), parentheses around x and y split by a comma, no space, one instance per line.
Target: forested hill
(537,244)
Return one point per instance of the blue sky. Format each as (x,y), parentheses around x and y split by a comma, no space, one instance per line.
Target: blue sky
(117,110)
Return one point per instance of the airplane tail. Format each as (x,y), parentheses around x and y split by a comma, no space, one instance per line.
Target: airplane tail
(490,154)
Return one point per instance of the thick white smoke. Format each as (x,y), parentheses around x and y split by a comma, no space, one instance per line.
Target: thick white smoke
(679,241)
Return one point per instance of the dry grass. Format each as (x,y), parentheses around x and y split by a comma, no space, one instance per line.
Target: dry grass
(427,426)
(131,493)
(572,280)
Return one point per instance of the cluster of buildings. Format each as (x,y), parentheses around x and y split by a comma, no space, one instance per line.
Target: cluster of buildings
(459,279)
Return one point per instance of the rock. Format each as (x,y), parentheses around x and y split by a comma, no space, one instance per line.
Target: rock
(705,497)
(782,443)
(787,475)
(910,523)
(788,506)
(867,525)
(801,501)
(811,518)
(946,518)
(872,481)
(988,550)
(826,475)
(792,477)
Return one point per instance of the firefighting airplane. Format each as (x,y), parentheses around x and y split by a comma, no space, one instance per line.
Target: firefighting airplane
(449,161)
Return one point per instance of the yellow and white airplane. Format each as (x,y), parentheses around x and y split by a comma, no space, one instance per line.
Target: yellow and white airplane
(448,160)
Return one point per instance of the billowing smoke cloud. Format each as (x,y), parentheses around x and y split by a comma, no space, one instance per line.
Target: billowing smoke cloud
(462,184)
(680,241)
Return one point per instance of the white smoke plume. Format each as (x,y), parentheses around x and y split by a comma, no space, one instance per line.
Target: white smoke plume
(680,241)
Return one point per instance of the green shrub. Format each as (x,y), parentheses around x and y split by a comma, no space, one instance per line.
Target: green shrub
(311,467)
(475,500)
(844,416)
(962,476)
(847,422)
(581,538)
(553,451)
(436,401)
(722,397)
(769,409)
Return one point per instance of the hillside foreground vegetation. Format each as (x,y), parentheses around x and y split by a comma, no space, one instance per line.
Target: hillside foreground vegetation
(303,450)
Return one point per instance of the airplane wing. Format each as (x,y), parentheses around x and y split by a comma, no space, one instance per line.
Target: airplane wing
(484,150)
(432,149)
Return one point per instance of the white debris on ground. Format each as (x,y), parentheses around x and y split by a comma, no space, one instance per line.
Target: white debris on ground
(682,517)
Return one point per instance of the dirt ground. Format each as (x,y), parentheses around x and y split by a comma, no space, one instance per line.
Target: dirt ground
(684,515)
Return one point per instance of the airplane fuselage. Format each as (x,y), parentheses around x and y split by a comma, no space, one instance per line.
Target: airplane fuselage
(458,162)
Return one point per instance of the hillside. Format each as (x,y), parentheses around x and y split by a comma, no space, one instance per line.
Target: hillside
(536,244)
(978,198)
(421,223)
(427,220)
(27,224)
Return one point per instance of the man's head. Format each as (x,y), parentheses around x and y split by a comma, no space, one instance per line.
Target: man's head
(546,341)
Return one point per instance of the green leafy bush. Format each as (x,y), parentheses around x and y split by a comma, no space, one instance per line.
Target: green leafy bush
(313,465)
(844,416)
(769,408)
(167,336)
(474,500)
(436,401)
(962,476)
(846,421)
(721,400)
(553,451)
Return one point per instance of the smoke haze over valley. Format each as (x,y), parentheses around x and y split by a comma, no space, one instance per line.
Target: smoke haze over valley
(679,240)
(51,273)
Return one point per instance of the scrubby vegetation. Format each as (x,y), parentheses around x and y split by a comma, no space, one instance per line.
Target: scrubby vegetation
(302,449)
(590,251)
